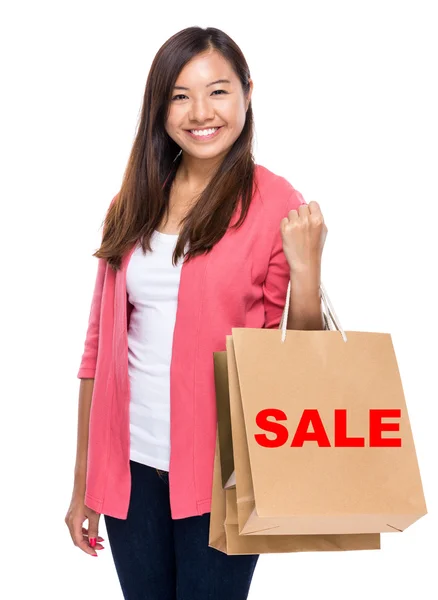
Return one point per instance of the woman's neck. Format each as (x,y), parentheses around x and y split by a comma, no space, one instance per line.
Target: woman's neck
(195,173)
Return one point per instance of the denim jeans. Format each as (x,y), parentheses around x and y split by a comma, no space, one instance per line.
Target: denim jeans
(160,558)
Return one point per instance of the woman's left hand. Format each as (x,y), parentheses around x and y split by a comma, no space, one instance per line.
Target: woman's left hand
(303,234)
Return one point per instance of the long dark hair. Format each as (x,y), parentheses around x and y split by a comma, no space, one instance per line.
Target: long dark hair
(140,205)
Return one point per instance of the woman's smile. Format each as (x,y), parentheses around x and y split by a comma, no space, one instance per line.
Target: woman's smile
(201,135)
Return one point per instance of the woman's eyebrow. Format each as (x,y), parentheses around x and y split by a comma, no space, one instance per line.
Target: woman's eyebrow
(180,87)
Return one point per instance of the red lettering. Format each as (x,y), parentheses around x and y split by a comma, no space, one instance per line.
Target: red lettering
(318,434)
(341,439)
(376,427)
(273,427)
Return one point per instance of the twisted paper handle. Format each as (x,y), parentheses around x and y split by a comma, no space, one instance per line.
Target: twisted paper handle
(331,320)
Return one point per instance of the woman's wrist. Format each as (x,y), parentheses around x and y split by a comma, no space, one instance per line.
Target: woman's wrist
(79,480)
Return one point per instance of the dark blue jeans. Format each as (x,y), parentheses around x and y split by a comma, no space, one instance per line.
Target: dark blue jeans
(160,558)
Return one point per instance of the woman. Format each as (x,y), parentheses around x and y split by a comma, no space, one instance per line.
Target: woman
(147,413)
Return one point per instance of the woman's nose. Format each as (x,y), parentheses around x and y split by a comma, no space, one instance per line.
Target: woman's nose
(201,110)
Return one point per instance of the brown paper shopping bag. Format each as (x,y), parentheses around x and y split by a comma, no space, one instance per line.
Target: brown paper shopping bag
(224,530)
(224,535)
(329,442)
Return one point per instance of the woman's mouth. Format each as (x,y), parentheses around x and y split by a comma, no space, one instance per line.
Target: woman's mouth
(202,135)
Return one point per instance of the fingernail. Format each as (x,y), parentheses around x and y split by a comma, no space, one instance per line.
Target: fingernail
(92,542)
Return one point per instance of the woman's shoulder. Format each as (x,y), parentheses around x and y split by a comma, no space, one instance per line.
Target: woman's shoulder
(275,192)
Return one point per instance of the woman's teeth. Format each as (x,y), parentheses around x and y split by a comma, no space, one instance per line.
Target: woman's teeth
(202,132)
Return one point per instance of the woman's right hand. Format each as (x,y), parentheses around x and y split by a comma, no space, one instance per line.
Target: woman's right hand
(81,536)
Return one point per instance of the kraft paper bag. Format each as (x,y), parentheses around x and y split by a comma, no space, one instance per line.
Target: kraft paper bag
(223,418)
(361,481)
(224,535)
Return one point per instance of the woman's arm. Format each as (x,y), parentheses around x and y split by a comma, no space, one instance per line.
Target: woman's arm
(85,395)
(87,368)
(88,540)
(278,274)
(305,310)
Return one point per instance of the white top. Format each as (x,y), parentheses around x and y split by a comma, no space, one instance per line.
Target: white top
(152,284)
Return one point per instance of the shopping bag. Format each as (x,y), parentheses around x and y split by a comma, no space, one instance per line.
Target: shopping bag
(224,525)
(224,535)
(322,456)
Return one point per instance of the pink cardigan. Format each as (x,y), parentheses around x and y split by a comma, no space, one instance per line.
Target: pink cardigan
(242,282)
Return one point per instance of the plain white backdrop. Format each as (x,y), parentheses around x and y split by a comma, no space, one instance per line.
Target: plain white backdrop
(345,103)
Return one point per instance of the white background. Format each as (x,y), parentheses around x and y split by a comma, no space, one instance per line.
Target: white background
(345,102)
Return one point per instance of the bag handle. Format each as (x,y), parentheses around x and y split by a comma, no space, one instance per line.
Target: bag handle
(331,320)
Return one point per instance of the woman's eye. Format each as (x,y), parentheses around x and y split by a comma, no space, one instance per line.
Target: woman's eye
(180,96)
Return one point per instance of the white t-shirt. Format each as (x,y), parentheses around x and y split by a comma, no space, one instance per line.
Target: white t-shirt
(152,284)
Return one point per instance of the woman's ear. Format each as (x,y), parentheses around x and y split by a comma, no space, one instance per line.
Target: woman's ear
(248,96)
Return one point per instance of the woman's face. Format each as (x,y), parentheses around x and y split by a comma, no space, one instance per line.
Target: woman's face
(200,102)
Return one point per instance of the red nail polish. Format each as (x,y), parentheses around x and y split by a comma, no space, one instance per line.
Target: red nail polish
(92,542)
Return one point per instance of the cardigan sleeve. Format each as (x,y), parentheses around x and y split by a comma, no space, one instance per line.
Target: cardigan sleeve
(87,367)
(277,277)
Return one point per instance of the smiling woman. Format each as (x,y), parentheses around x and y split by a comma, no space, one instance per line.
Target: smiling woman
(191,165)
(147,422)
(211,109)
(204,121)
